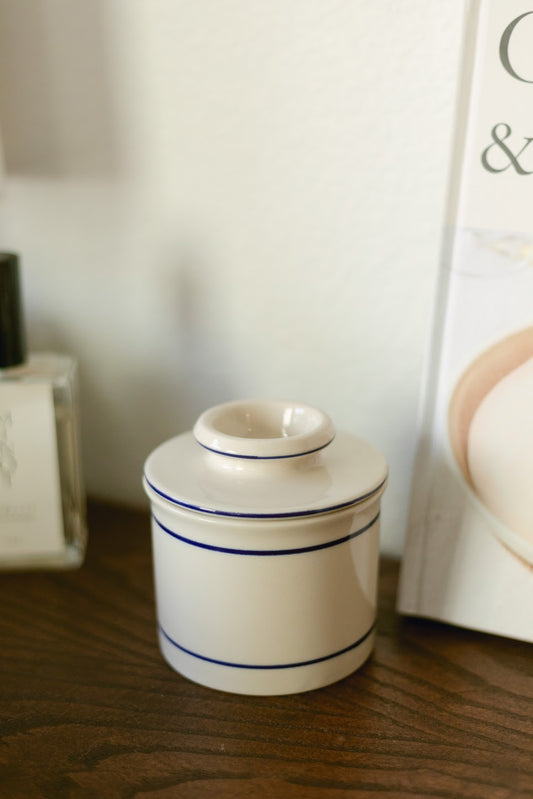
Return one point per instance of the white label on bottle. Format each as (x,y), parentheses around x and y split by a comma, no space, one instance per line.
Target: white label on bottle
(31,519)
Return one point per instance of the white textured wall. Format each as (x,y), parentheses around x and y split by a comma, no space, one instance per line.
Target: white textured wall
(217,199)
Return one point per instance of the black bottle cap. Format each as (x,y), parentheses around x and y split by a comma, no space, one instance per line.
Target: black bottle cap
(12,331)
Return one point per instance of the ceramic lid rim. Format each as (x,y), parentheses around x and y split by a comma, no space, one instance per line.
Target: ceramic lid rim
(348,471)
(269,428)
(273,515)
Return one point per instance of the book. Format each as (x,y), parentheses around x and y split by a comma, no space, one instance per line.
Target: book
(468,557)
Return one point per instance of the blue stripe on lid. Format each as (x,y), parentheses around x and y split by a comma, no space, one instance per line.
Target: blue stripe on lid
(244,515)
(264,457)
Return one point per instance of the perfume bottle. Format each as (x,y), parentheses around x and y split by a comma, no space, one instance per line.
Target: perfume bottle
(42,501)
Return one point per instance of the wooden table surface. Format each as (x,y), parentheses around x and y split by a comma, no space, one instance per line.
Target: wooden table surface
(88,708)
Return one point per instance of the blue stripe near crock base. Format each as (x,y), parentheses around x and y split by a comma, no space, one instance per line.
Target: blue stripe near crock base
(269,667)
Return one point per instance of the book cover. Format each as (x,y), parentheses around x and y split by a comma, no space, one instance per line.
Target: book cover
(468,558)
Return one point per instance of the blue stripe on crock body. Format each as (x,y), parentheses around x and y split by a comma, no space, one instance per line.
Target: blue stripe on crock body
(243,515)
(264,457)
(271,667)
(267,552)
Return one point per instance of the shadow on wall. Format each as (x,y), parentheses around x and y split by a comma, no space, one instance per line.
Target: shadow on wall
(124,419)
(203,352)
(56,110)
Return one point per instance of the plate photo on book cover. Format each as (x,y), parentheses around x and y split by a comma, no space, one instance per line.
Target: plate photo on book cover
(490,425)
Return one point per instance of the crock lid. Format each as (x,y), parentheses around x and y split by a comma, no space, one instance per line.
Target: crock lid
(264,460)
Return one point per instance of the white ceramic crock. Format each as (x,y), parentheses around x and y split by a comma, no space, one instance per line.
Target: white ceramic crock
(265,530)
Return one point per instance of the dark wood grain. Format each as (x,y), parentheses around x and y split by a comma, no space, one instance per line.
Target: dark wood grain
(89,708)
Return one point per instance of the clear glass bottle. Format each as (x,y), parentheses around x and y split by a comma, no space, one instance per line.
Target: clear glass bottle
(42,501)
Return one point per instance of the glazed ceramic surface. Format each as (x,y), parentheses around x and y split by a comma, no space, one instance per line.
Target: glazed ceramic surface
(265,531)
